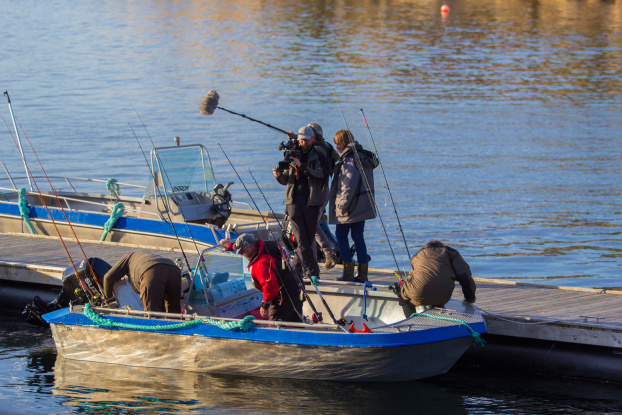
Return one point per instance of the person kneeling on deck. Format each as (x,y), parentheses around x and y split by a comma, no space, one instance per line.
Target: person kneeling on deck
(435,269)
(281,294)
(156,279)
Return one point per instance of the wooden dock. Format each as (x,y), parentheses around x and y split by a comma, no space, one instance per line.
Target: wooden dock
(539,328)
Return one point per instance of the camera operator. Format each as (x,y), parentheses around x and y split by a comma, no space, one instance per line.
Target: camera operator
(304,178)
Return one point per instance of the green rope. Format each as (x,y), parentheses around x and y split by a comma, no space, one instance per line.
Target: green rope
(476,335)
(24,210)
(5,196)
(314,280)
(113,187)
(117,212)
(244,325)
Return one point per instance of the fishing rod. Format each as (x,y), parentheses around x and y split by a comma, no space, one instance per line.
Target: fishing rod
(367,186)
(292,268)
(387,183)
(341,322)
(209,104)
(19,142)
(83,284)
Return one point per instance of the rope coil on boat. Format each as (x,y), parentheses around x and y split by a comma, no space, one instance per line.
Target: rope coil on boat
(24,210)
(244,325)
(476,336)
(117,212)
(113,187)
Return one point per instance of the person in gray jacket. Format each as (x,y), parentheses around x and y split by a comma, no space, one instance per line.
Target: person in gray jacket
(352,202)
(435,270)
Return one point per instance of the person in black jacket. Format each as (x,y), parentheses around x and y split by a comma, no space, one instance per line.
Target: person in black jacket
(303,198)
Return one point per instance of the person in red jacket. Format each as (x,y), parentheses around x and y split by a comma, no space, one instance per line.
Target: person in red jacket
(281,293)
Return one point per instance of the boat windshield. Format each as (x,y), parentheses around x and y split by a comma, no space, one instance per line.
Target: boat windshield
(181,169)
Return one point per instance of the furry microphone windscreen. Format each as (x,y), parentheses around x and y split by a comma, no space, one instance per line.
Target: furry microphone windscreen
(209,102)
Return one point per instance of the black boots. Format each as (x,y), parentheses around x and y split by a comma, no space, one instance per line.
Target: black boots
(348,272)
(362,273)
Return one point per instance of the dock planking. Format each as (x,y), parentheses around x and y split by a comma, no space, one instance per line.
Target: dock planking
(495,297)
(539,328)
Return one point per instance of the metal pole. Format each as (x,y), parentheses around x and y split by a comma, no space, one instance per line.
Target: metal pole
(19,142)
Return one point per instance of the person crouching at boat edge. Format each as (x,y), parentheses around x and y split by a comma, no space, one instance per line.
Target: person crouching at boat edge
(156,279)
(435,270)
(280,292)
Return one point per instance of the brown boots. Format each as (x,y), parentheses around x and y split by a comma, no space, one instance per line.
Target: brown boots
(348,272)
(329,260)
(361,276)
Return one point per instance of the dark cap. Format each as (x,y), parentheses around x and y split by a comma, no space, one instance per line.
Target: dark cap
(243,240)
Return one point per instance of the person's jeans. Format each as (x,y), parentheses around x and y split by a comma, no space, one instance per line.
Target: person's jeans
(357,229)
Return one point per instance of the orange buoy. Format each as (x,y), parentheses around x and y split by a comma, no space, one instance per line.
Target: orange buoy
(444,8)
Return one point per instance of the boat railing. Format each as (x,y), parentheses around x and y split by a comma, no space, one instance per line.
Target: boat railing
(199,269)
(242,203)
(65,178)
(123,312)
(68,199)
(8,175)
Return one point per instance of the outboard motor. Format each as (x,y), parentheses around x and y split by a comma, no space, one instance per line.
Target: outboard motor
(72,291)
(71,283)
(221,208)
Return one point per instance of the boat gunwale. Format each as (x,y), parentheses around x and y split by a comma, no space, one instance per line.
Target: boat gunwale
(285,333)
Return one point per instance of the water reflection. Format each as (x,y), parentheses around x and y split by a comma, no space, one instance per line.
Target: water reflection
(90,386)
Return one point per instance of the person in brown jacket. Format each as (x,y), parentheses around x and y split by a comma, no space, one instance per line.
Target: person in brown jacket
(156,279)
(435,269)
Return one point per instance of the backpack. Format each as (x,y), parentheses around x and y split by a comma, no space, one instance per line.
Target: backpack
(331,155)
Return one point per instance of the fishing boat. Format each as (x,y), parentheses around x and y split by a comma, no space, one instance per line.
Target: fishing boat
(217,335)
(181,204)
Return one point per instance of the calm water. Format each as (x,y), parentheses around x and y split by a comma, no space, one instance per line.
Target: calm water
(498,127)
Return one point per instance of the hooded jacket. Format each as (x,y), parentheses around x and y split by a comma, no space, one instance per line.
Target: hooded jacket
(268,275)
(352,191)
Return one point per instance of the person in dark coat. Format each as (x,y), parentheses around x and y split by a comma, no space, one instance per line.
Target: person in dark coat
(435,270)
(279,288)
(352,202)
(156,279)
(303,198)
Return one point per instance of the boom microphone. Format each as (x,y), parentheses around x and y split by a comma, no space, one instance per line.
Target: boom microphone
(209,102)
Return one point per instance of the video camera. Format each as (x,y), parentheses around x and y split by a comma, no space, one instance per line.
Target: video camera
(290,151)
